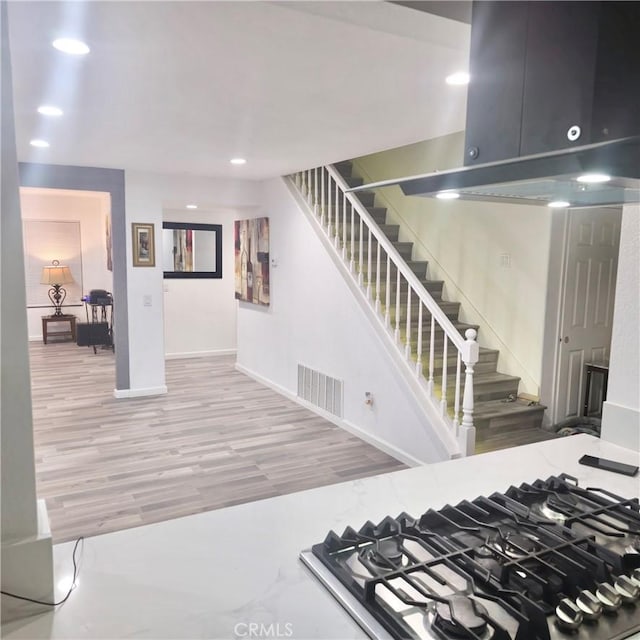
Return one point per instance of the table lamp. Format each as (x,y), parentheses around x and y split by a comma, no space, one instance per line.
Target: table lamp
(55,276)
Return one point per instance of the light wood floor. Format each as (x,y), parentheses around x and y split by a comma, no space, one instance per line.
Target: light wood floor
(217,439)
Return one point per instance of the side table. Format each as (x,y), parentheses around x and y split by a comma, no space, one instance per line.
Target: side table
(47,320)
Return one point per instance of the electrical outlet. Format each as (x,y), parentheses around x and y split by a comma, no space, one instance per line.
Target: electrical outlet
(146,300)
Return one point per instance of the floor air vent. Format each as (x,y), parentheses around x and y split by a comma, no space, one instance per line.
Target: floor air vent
(320,390)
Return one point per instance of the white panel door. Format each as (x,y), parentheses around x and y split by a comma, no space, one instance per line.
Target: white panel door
(591,260)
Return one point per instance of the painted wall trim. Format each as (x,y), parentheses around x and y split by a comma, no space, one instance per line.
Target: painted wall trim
(200,354)
(137,393)
(111,181)
(383,445)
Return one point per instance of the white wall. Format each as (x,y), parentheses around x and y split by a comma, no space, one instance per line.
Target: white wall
(464,243)
(621,411)
(314,320)
(88,208)
(210,324)
(147,196)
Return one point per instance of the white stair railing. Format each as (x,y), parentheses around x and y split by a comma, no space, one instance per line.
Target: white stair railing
(408,311)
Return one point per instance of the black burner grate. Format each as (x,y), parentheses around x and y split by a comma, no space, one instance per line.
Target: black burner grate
(538,560)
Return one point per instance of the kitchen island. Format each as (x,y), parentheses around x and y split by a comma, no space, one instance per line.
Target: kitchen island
(236,573)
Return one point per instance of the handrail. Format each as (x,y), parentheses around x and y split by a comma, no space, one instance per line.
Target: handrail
(425,297)
(326,206)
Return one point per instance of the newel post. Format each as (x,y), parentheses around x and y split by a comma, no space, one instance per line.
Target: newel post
(467,432)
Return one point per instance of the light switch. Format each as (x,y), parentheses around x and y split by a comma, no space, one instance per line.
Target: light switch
(146,300)
(505,260)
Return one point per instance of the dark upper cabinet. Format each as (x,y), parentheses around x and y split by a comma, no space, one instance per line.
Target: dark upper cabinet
(542,71)
(496,66)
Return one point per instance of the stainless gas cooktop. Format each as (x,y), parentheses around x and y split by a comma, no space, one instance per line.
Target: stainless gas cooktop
(541,561)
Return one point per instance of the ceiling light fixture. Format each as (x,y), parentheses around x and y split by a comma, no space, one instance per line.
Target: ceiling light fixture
(49,110)
(593,178)
(447,195)
(71,46)
(559,204)
(192,206)
(238,161)
(41,144)
(458,78)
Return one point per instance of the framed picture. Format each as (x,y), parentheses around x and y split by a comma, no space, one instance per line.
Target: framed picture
(144,251)
(251,244)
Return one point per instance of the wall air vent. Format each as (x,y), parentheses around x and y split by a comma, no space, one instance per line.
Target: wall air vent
(320,390)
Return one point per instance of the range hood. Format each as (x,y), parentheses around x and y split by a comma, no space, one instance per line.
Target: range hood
(553,107)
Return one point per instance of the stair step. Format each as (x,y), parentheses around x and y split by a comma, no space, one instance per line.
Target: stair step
(344,168)
(500,425)
(389,230)
(495,415)
(434,287)
(379,214)
(419,268)
(438,337)
(488,386)
(451,310)
(353,181)
(487,361)
(404,249)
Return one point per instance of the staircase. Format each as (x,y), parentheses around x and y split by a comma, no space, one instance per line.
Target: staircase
(416,315)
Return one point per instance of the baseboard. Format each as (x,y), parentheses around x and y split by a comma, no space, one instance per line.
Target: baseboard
(35,338)
(620,425)
(138,393)
(199,354)
(27,570)
(378,443)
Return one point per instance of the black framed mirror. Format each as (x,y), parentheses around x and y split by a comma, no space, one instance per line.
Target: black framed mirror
(191,250)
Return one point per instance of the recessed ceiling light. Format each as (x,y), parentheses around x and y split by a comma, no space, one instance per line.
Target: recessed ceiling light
(447,195)
(192,206)
(458,78)
(559,204)
(594,178)
(238,161)
(71,46)
(41,144)
(49,110)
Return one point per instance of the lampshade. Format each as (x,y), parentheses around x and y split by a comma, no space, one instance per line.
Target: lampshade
(56,274)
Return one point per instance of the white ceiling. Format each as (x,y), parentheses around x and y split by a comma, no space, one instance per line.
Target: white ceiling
(182,87)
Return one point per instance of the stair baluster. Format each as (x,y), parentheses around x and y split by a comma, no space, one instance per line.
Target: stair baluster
(369,252)
(352,263)
(360,257)
(467,434)
(329,204)
(397,333)
(377,306)
(419,345)
(344,226)
(322,211)
(407,346)
(387,302)
(315,189)
(431,354)
(443,401)
(456,402)
(336,237)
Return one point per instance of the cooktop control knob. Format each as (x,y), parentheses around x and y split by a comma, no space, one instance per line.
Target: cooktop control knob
(589,605)
(627,588)
(610,599)
(568,616)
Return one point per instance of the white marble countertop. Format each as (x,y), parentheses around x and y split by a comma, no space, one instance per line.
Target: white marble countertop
(212,574)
